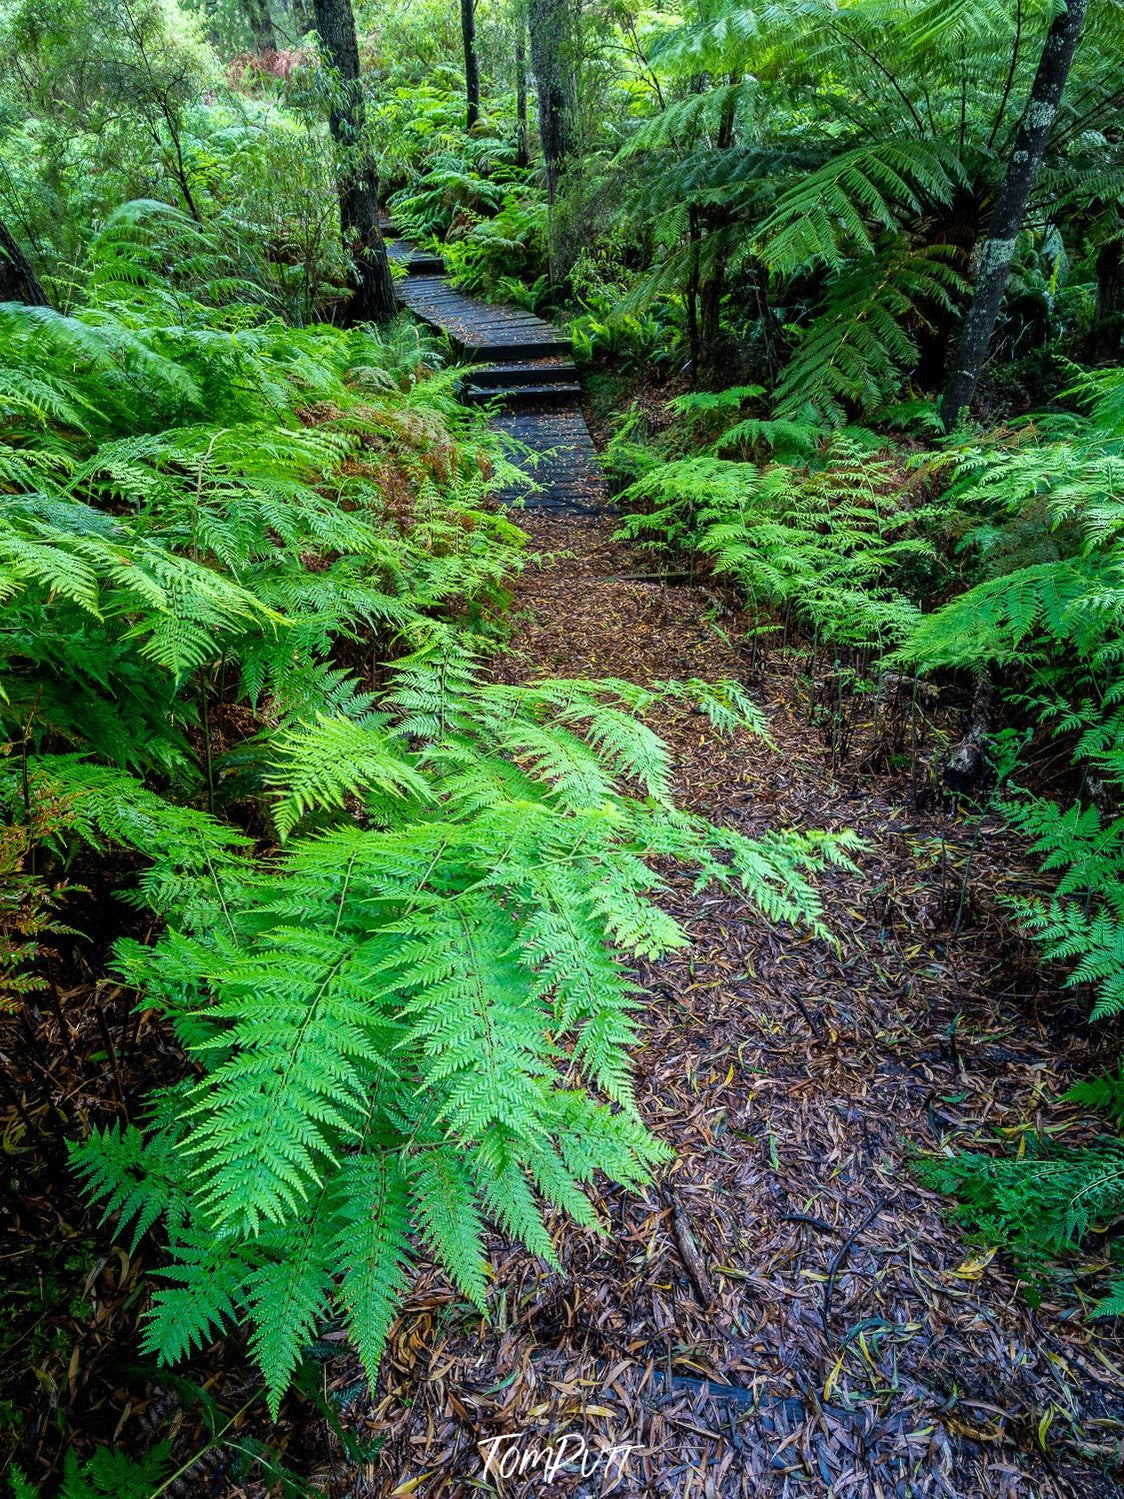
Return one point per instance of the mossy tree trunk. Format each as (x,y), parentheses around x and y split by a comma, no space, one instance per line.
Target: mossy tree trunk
(1108,322)
(712,367)
(552,64)
(471,63)
(260,21)
(998,248)
(522,143)
(18,281)
(372,299)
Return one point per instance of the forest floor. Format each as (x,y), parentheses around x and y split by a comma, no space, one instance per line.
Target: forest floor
(785,1311)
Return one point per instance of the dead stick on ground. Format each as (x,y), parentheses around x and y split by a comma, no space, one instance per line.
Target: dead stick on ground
(841,1255)
(689,1251)
(827,1228)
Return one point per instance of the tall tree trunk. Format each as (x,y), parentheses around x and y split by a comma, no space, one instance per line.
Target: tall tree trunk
(260,21)
(552,63)
(18,281)
(772,334)
(522,145)
(712,371)
(471,63)
(1010,207)
(373,299)
(1108,322)
(692,300)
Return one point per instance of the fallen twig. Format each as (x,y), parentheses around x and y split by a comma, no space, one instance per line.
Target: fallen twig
(689,1251)
(842,1253)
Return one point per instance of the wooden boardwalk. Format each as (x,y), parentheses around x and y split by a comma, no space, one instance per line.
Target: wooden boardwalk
(526,375)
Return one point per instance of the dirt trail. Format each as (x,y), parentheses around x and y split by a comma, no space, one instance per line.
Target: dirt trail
(852,1342)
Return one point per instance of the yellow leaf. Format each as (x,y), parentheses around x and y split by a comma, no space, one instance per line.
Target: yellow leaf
(1044,1426)
(974,1266)
(829,1382)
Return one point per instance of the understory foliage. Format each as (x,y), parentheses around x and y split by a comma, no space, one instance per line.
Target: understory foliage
(192,497)
(465,193)
(389,911)
(808,188)
(106,1475)
(1048,536)
(827,542)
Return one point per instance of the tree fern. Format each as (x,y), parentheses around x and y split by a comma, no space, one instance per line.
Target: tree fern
(826,216)
(854,353)
(318,763)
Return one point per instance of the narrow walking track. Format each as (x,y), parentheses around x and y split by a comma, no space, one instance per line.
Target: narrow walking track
(784,1312)
(523,368)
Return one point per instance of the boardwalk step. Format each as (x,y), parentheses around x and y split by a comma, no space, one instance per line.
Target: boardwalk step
(418,262)
(558,393)
(555,371)
(424,265)
(529,374)
(513,348)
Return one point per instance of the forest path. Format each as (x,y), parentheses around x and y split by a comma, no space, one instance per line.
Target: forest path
(785,1310)
(853,1344)
(522,368)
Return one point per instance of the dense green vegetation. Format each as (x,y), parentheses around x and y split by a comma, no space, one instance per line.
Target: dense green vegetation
(386,908)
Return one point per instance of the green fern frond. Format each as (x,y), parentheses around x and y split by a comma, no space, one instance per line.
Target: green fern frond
(319,764)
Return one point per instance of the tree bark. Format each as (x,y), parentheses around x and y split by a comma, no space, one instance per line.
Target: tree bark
(552,64)
(1010,207)
(18,281)
(260,21)
(471,63)
(373,298)
(692,299)
(711,370)
(1108,321)
(522,145)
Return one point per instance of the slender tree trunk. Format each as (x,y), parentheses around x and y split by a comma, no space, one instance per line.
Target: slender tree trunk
(772,334)
(552,65)
(1010,207)
(1108,323)
(522,144)
(471,63)
(260,21)
(553,62)
(18,281)
(302,19)
(693,296)
(373,299)
(709,372)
